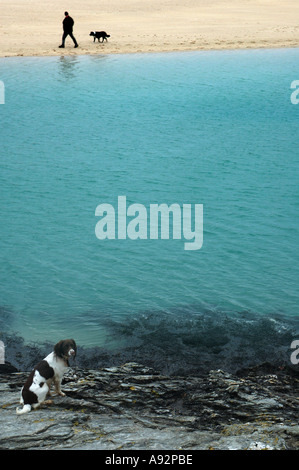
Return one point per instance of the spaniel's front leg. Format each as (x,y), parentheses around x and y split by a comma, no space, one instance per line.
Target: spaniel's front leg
(57,383)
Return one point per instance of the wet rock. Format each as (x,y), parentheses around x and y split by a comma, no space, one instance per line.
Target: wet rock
(135,407)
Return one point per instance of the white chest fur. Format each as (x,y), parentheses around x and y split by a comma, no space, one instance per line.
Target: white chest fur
(59,365)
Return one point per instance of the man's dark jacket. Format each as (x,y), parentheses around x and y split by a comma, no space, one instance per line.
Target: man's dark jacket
(68,24)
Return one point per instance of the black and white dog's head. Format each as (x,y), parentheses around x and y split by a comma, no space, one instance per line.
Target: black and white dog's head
(66,349)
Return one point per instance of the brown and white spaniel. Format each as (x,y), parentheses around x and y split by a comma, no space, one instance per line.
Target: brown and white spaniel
(50,369)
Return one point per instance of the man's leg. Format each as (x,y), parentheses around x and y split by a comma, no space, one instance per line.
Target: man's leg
(74,39)
(63,39)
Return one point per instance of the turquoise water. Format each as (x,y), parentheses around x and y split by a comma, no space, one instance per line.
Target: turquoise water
(212,128)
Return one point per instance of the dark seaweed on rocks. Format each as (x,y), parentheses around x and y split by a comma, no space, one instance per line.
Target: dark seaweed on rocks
(178,342)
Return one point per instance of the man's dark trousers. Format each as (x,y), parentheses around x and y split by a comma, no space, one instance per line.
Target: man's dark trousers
(66,34)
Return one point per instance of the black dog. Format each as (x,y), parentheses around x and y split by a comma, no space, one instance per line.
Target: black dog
(98,35)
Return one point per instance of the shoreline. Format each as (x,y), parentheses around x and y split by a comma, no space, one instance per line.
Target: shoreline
(69,52)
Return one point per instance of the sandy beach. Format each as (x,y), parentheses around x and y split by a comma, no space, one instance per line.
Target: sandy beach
(33,28)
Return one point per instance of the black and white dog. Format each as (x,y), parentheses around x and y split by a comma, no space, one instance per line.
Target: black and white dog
(50,369)
(98,35)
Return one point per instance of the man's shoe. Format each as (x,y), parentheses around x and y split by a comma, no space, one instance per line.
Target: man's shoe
(61,45)
(76,45)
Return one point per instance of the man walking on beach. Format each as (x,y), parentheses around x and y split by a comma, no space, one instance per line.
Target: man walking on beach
(68,24)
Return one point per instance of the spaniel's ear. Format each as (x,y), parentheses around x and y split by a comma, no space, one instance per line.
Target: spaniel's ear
(58,349)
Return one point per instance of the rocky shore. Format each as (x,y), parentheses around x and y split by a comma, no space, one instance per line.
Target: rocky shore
(135,407)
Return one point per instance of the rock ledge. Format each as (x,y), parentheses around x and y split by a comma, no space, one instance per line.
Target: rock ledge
(134,407)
